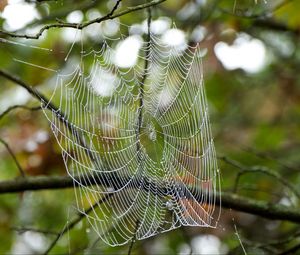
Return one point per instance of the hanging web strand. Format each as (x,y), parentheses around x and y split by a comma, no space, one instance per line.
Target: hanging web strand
(164,177)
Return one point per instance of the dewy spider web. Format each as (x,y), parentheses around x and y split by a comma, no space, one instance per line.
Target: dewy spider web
(146,141)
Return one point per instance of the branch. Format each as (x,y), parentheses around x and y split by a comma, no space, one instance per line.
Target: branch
(260,208)
(76,220)
(268,156)
(133,238)
(47,105)
(291,251)
(31,90)
(84,24)
(262,15)
(9,109)
(13,157)
(41,1)
(263,20)
(229,200)
(258,169)
(278,242)
(61,13)
(21,230)
(142,84)
(276,26)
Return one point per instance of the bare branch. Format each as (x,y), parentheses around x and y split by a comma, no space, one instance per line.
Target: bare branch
(229,200)
(291,250)
(276,26)
(282,241)
(258,169)
(265,155)
(22,230)
(48,105)
(61,13)
(9,109)
(263,209)
(22,173)
(40,1)
(84,24)
(75,221)
(133,238)
(31,90)
(263,15)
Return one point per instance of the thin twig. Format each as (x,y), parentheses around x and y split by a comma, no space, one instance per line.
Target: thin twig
(41,1)
(80,26)
(134,237)
(74,222)
(11,108)
(142,84)
(267,156)
(50,106)
(282,241)
(239,238)
(91,248)
(60,13)
(263,15)
(261,169)
(114,8)
(22,172)
(253,188)
(22,230)
(291,251)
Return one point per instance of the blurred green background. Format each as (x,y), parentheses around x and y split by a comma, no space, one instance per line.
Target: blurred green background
(251,69)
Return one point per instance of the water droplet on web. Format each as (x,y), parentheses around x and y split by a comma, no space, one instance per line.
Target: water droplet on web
(169,205)
(152,132)
(152,135)
(110,189)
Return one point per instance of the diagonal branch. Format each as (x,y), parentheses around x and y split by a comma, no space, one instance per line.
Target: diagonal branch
(267,156)
(61,13)
(80,26)
(31,90)
(21,230)
(76,220)
(48,105)
(22,173)
(133,238)
(262,15)
(258,169)
(11,108)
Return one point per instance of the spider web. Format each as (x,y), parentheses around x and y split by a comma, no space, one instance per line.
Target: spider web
(137,140)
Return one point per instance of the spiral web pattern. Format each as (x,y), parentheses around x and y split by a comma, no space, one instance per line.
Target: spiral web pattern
(144,145)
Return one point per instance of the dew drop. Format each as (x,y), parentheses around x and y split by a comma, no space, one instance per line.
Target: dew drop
(169,205)
(152,135)
(110,189)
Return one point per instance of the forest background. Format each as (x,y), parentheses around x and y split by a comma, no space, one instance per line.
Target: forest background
(251,61)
